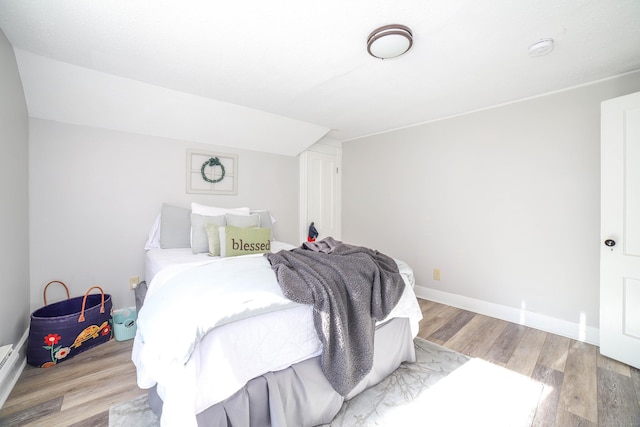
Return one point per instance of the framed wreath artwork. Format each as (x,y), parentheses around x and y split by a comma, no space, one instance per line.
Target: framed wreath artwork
(211,173)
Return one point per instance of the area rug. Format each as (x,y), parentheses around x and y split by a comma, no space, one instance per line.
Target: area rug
(443,388)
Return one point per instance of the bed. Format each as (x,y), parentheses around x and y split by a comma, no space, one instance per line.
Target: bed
(239,352)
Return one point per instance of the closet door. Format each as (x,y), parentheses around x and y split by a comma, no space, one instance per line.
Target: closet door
(320,200)
(620,230)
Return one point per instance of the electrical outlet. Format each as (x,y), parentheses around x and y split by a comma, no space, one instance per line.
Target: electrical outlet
(133,282)
(436,274)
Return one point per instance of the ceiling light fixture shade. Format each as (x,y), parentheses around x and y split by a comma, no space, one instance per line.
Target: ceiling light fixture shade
(389,41)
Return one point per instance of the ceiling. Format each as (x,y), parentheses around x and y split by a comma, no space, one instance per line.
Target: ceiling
(277,76)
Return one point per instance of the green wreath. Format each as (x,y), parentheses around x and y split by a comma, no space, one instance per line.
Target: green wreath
(214,161)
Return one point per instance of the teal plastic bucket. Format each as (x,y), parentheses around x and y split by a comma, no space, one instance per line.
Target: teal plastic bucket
(124,324)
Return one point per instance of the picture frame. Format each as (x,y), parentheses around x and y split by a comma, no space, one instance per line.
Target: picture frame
(210,172)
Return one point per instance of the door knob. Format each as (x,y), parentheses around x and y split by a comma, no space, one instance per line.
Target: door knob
(610,243)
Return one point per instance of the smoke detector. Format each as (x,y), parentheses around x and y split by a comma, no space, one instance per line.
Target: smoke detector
(541,47)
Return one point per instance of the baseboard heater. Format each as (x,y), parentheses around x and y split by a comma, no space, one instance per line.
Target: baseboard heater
(5,353)
(10,369)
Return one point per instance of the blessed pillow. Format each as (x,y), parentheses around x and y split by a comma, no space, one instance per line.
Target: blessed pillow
(236,241)
(200,241)
(175,227)
(213,236)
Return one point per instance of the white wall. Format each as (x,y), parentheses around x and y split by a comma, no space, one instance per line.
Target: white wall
(95,193)
(506,201)
(14,215)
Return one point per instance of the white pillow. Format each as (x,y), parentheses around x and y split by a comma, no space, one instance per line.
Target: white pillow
(222,236)
(242,221)
(153,242)
(200,241)
(199,209)
(266,220)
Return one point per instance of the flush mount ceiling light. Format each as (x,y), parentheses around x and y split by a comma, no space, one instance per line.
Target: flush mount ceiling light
(541,47)
(389,41)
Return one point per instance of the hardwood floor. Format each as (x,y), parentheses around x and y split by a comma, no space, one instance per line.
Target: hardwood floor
(581,387)
(75,393)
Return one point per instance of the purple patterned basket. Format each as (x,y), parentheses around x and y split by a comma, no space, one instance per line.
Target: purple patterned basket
(66,328)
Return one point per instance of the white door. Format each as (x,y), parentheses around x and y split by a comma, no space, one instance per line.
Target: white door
(620,230)
(321,193)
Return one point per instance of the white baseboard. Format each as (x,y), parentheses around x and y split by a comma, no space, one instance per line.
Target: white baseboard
(543,322)
(18,360)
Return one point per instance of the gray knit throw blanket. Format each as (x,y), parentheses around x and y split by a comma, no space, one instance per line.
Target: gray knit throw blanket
(350,288)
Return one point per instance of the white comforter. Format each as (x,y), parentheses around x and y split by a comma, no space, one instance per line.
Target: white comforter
(231,311)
